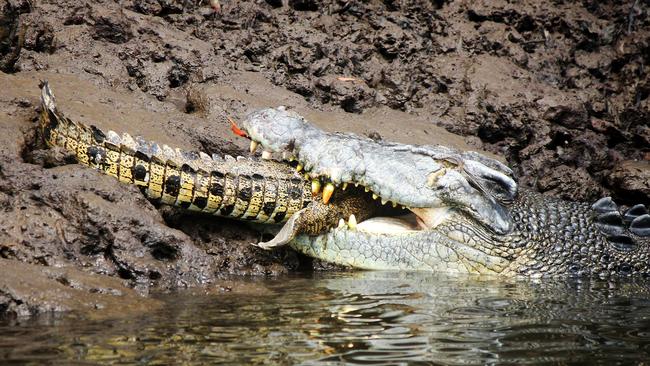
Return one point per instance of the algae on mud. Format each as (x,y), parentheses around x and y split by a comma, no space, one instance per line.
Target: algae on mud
(560,90)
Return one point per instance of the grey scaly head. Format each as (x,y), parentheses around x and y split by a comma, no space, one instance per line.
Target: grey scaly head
(411,176)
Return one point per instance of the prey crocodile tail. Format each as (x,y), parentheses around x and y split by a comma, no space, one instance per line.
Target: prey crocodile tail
(260,191)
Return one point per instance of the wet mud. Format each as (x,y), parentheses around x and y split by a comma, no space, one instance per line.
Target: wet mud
(560,91)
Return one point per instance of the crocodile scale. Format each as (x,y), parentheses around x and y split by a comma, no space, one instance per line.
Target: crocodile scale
(261,191)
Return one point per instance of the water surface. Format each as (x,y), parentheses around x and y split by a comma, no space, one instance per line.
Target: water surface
(363,318)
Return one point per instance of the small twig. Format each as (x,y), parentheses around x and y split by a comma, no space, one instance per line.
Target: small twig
(216,6)
(342,9)
(534,41)
(630,16)
(343,78)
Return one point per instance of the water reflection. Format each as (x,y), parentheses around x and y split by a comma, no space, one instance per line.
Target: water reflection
(366,318)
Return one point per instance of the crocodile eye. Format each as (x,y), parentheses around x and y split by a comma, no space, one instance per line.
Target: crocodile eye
(624,268)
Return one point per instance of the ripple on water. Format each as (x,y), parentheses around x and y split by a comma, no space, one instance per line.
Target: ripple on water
(368,318)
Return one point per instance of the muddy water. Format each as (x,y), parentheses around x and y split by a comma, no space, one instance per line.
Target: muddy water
(360,318)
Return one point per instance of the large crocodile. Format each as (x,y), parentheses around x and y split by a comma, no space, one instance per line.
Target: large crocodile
(464,212)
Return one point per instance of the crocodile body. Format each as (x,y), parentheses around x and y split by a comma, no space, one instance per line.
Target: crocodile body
(451,229)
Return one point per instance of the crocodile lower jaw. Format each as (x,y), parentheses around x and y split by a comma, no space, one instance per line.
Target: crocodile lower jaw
(418,220)
(389,225)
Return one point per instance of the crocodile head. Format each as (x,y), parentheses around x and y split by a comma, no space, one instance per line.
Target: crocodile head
(464,212)
(425,179)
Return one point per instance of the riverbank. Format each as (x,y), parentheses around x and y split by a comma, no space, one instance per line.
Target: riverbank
(560,92)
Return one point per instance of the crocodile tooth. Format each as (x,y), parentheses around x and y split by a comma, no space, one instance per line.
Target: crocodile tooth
(345,186)
(366,189)
(394,204)
(298,167)
(352,222)
(374,196)
(383,201)
(266,155)
(327,192)
(341,223)
(240,158)
(432,179)
(253,146)
(307,177)
(315,187)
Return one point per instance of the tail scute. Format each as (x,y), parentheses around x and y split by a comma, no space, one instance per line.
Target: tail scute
(47,98)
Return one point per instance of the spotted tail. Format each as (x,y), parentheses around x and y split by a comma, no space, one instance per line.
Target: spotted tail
(255,190)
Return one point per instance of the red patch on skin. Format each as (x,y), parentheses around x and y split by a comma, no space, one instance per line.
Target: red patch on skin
(235,129)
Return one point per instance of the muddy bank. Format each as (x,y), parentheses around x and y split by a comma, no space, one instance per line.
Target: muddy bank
(59,214)
(560,91)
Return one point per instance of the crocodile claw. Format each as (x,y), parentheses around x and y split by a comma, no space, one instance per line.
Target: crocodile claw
(289,231)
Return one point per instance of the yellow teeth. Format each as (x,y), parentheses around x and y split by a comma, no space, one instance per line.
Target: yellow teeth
(254,145)
(383,202)
(374,196)
(315,187)
(432,179)
(341,223)
(345,185)
(394,204)
(352,222)
(266,155)
(298,167)
(366,189)
(327,192)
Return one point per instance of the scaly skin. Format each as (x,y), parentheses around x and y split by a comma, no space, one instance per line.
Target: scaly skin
(550,238)
(545,237)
